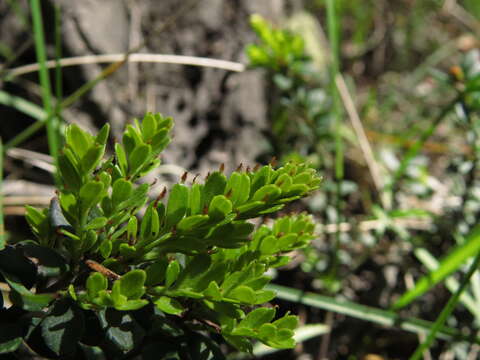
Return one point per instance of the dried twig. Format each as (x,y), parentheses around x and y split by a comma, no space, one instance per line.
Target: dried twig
(368,225)
(135,57)
(360,132)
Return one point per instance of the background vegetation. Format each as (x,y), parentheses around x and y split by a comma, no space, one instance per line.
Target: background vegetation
(380,97)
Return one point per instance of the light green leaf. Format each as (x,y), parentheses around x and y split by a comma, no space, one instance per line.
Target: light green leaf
(243,294)
(219,207)
(257,317)
(139,156)
(149,126)
(169,305)
(177,205)
(90,194)
(189,223)
(95,283)
(121,191)
(239,186)
(171,275)
(132,284)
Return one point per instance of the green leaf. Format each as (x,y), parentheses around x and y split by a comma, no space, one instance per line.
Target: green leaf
(267,331)
(177,205)
(219,207)
(195,200)
(132,284)
(251,207)
(122,330)
(132,227)
(121,191)
(116,295)
(15,263)
(192,273)
(96,223)
(48,261)
(150,223)
(238,186)
(25,299)
(121,158)
(80,141)
(139,156)
(63,327)
(69,173)
(257,317)
(243,294)
(95,283)
(296,190)
(267,193)
(92,158)
(263,296)
(303,333)
(127,251)
(214,185)
(455,259)
(284,182)
(173,269)
(90,194)
(131,305)
(169,305)
(102,135)
(149,127)
(260,179)
(106,248)
(189,223)
(287,322)
(137,199)
(213,292)
(160,140)
(156,272)
(57,219)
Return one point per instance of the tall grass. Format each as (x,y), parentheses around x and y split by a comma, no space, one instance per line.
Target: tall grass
(333,36)
(52,122)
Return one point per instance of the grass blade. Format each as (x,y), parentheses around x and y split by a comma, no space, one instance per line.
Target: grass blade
(367,313)
(452,284)
(333,38)
(22,105)
(446,312)
(39,39)
(58,56)
(448,265)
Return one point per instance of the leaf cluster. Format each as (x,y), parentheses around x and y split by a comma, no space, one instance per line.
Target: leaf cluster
(301,107)
(193,264)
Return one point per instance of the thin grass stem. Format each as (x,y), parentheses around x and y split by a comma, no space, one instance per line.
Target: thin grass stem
(40,48)
(446,312)
(332,24)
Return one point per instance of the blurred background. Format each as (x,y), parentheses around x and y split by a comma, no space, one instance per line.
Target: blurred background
(381,97)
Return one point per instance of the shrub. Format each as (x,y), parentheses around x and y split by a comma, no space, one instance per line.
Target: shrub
(98,280)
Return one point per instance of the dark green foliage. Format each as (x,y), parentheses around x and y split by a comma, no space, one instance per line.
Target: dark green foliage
(192,264)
